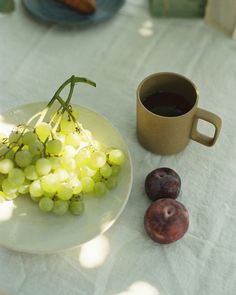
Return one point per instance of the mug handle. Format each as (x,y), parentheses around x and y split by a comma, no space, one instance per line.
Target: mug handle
(211,118)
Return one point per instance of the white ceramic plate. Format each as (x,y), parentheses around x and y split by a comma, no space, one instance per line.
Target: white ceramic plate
(23,227)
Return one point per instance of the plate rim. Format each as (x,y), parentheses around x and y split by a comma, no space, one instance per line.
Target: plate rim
(110,224)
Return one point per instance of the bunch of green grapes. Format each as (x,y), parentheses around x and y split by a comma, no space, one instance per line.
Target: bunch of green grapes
(56,162)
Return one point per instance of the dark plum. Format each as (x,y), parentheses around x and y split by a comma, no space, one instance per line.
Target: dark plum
(166,221)
(162,183)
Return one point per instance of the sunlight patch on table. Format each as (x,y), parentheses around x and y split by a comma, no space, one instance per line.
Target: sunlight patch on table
(5,128)
(146,29)
(140,288)
(6,210)
(95,252)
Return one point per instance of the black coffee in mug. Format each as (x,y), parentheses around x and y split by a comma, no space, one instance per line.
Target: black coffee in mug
(167,104)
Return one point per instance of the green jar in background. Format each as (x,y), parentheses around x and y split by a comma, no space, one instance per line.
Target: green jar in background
(177,8)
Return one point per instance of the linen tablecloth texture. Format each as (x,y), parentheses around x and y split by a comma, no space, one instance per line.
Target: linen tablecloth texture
(36,57)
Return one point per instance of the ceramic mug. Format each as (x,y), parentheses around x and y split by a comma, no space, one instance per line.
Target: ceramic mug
(164,134)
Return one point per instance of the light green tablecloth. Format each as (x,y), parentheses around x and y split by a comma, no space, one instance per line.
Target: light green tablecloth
(118,54)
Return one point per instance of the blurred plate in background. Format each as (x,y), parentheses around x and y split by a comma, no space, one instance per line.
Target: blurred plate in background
(54,11)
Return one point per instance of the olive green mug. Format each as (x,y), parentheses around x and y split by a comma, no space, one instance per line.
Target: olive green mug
(165,134)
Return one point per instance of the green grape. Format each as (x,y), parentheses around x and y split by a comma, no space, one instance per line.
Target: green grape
(98,145)
(64,191)
(23,158)
(68,163)
(24,148)
(29,137)
(111,182)
(35,159)
(100,189)
(48,195)
(55,162)
(30,172)
(98,159)
(16,177)
(15,137)
(76,207)
(73,139)
(62,174)
(35,189)
(35,199)
(4,149)
(73,175)
(43,166)
(6,165)
(54,147)
(10,154)
(60,207)
(2,196)
(43,130)
(67,126)
(46,204)
(97,177)
(68,151)
(116,157)
(61,137)
(49,183)
(87,184)
(11,196)
(8,187)
(36,147)
(55,117)
(75,113)
(15,148)
(115,170)
(23,189)
(76,185)
(82,157)
(86,171)
(106,171)
(2,177)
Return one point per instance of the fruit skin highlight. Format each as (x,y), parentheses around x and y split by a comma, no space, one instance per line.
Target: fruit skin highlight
(162,183)
(166,221)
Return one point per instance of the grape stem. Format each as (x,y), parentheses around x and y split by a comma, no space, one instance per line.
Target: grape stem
(64,107)
(72,80)
(61,110)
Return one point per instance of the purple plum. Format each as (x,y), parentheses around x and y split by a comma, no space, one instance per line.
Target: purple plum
(166,221)
(162,183)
